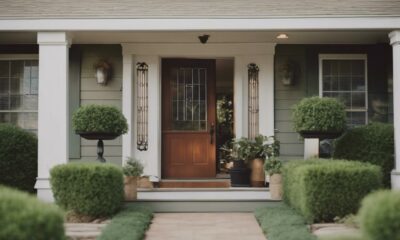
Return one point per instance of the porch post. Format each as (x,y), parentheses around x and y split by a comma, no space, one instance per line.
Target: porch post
(395,42)
(127,104)
(53,107)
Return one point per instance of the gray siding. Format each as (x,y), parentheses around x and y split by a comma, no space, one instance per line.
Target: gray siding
(93,93)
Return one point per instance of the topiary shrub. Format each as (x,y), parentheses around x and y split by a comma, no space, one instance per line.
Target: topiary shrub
(99,119)
(319,115)
(18,157)
(324,189)
(380,215)
(373,143)
(24,217)
(91,189)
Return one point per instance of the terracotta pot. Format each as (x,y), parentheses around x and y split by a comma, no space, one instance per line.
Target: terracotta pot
(130,188)
(275,186)
(257,173)
(144,182)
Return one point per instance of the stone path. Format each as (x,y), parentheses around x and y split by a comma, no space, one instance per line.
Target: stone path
(204,226)
(83,231)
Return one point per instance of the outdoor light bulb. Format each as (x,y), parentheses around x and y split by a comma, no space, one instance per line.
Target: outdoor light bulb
(282,36)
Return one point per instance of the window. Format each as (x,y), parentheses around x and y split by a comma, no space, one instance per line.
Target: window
(19,91)
(344,77)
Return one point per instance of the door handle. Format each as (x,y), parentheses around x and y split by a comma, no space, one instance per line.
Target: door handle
(212,130)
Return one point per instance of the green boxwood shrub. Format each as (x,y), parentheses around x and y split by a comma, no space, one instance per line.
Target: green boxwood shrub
(24,217)
(380,216)
(99,119)
(324,189)
(373,143)
(319,114)
(18,157)
(91,189)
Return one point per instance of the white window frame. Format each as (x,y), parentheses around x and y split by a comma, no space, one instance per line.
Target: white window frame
(363,57)
(12,57)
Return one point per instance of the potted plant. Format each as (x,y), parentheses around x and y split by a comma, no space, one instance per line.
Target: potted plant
(323,118)
(132,170)
(261,148)
(240,172)
(273,167)
(98,122)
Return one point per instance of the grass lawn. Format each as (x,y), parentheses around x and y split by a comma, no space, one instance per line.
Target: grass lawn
(130,223)
(280,222)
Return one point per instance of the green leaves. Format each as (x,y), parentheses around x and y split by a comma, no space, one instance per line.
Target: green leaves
(92,189)
(319,114)
(273,166)
(133,168)
(324,189)
(261,147)
(100,119)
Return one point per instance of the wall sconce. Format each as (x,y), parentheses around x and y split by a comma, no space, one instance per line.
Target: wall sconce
(253,99)
(103,72)
(142,106)
(288,71)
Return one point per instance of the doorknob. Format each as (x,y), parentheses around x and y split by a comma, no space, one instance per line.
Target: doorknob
(212,130)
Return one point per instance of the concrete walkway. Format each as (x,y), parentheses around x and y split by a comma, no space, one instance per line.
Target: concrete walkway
(204,226)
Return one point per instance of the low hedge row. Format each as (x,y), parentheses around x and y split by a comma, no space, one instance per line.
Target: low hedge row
(129,224)
(324,189)
(280,222)
(373,143)
(380,216)
(24,217)
(91,189)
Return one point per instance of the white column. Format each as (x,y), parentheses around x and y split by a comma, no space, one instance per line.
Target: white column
(127,104)
(311,148)
(395,42)
(53,107)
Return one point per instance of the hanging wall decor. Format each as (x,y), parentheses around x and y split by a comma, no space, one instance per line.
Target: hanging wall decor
(253,99)
(142,106)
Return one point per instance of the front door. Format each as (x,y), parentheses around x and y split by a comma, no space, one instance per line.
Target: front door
(188,118)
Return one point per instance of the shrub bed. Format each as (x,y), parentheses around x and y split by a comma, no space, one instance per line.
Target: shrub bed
(24,217)
(18,157)
(324,189)
(129,224)
(91,189)
(280,222)
(380,215)
(373,143)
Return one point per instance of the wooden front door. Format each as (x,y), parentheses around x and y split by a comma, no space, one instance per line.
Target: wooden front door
(188,118)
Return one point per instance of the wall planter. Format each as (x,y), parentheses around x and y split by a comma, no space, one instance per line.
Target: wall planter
(240,174)
(98,122)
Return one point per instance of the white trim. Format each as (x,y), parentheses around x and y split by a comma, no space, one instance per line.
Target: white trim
(19,57)
(347,57)
(201,24)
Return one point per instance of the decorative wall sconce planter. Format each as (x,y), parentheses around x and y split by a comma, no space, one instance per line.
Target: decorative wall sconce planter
(103,72)
(288,72)
(142,106)
(253,98)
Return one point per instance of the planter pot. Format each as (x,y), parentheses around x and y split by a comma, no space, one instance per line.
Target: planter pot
(275,186)
(100,136)
(144,182)
(240,174)
(257,173)
(130,188)
(320,135)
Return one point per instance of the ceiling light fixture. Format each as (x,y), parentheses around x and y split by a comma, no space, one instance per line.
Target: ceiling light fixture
(282,36)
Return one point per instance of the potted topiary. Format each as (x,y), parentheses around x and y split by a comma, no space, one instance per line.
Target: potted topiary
(132,170)
(273,167)
(323,118)
(99,122)
(261,148)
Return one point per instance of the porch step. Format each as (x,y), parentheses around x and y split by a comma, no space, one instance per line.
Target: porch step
(192,183)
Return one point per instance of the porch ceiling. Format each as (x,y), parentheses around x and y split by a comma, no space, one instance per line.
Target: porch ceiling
(295,37)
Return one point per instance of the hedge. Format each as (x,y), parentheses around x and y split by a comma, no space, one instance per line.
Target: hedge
(373,143)
(280,222)
(129,224)
(24,217)
(18,157)
(324,189)
(91,189)
(380,215)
